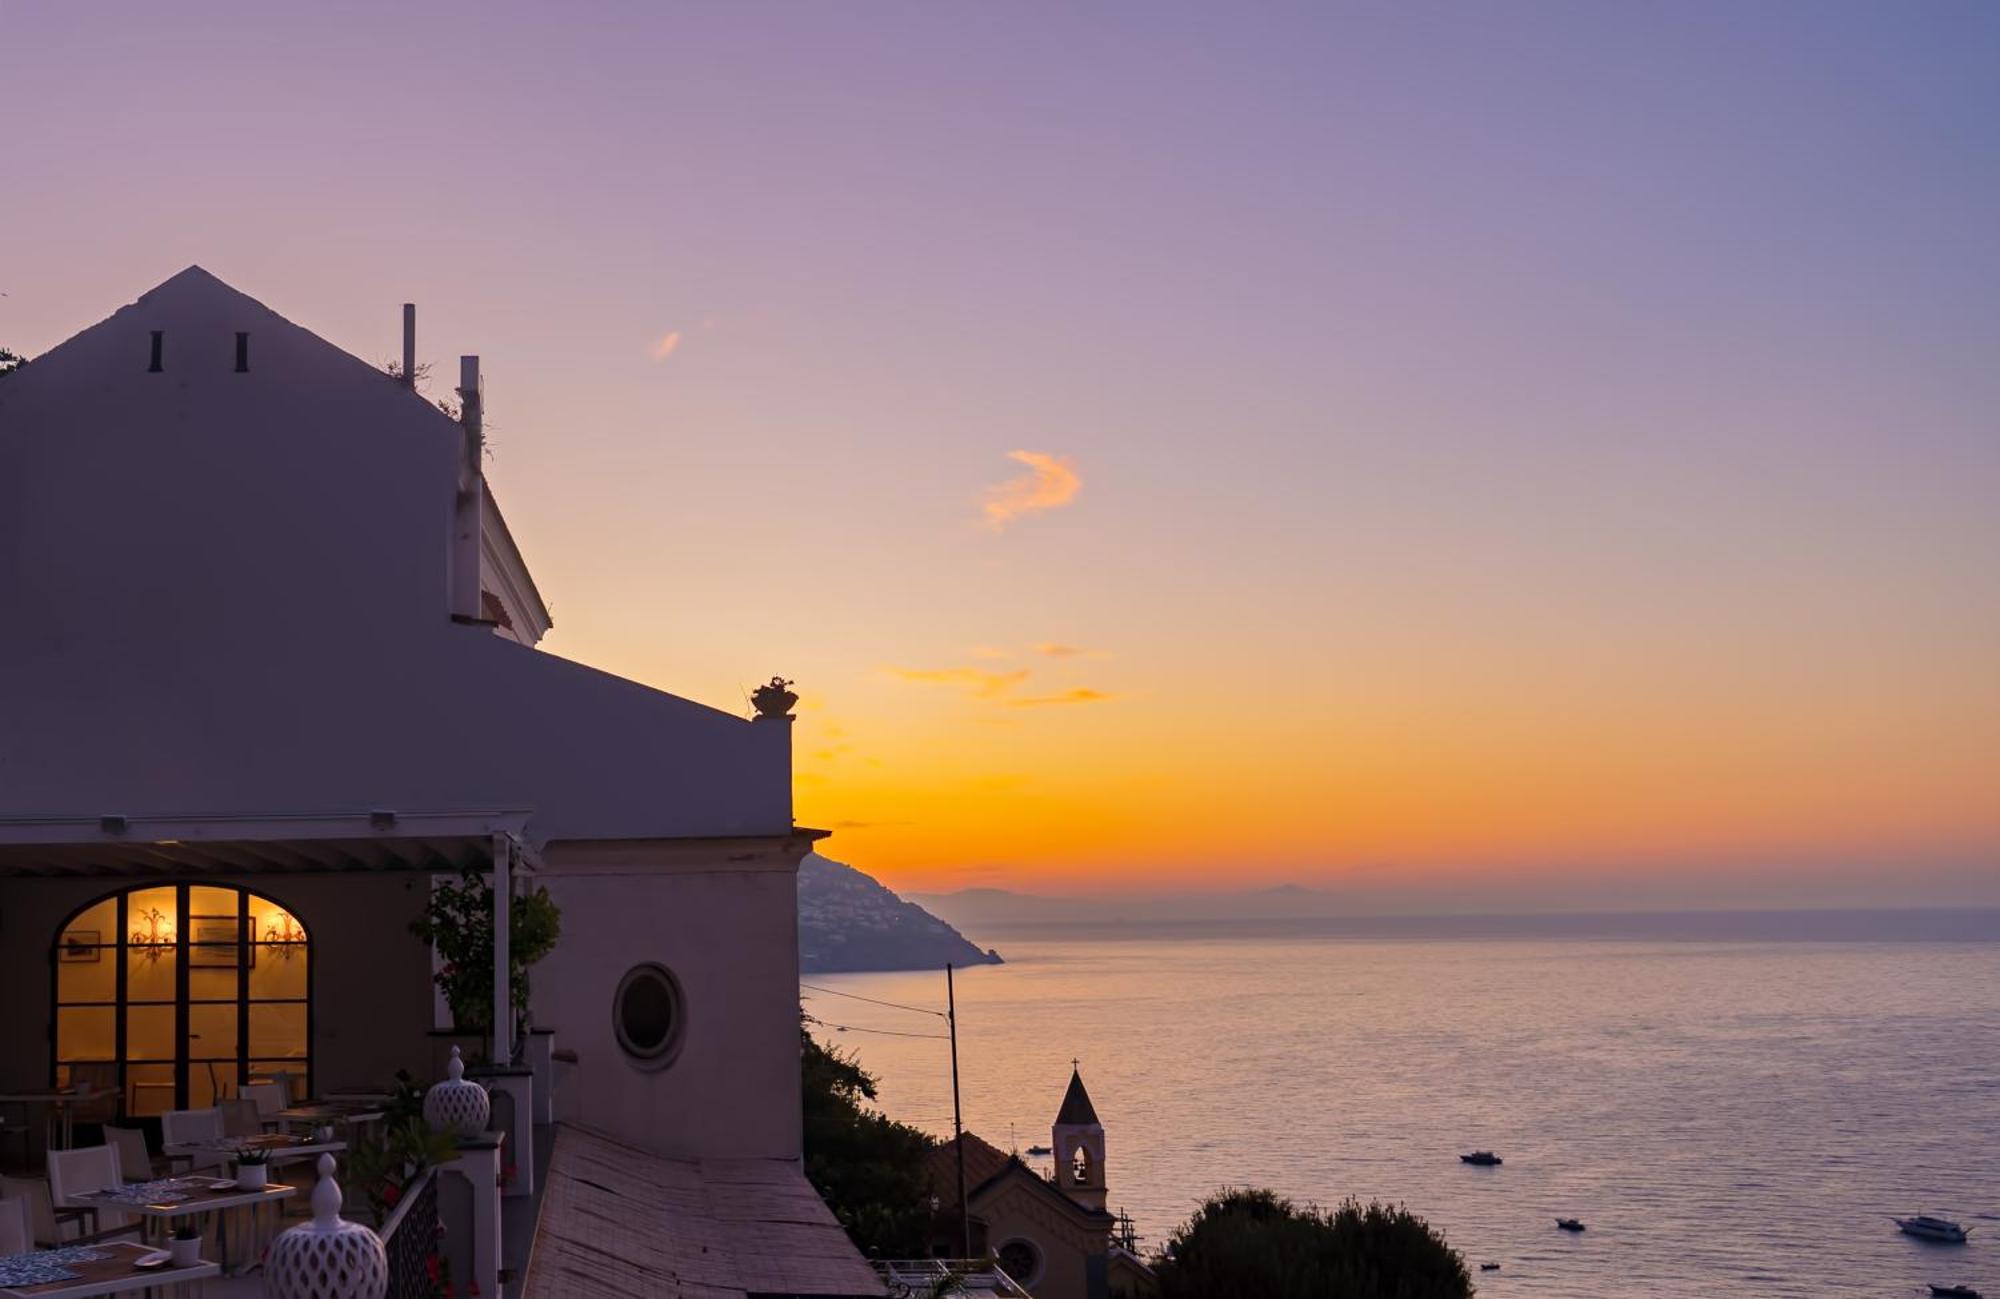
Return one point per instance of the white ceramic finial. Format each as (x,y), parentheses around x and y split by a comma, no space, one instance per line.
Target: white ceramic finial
(326,1196)
(326,1258)
(457,1104)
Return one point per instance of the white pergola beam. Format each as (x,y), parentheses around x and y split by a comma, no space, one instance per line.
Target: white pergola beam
(503,989)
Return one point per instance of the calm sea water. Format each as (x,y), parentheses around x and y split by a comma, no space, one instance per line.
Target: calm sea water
(1735,1116)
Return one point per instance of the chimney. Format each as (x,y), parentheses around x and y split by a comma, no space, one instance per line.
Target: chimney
(410,345)
(467,523)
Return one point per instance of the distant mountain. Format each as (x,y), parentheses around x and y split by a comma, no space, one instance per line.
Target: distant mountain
(849,922)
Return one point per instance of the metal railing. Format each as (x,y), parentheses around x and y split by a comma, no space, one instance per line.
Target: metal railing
(411,1239)
(946,1278)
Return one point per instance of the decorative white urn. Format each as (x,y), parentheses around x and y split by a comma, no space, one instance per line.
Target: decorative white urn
(457,1104)
(327,1258)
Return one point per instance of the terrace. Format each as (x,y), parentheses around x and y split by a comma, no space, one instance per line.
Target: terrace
(269,1005)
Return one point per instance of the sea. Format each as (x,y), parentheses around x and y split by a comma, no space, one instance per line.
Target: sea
(1733,1105)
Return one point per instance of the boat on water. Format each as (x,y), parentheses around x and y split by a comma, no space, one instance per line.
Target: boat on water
(1570,1224)
(1925,1227)
(1489,1267)
(1040,1150)
(1954,1292)
(1483,1158)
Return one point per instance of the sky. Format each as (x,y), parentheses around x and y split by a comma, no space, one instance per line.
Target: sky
(1528,446)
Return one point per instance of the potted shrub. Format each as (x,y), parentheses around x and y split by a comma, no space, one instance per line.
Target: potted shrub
(459,923)
(253,1169)
(185,1247)
(774,698)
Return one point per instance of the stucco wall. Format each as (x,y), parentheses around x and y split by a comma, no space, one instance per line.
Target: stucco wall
(226,595)
(729,933)
(370,977)
(1014,1210)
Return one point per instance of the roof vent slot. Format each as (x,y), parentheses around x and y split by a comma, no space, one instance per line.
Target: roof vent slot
(159,342)
(242,352)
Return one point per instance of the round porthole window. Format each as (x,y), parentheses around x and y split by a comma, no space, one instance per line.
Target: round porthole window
(648,1016)
(1021,1261)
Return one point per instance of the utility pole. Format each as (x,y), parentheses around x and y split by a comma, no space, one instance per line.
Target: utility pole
(957,1120)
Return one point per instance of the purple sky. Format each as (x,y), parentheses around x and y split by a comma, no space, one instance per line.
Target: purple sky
(1510,437)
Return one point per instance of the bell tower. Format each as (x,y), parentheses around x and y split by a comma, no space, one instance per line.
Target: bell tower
(1079,1146)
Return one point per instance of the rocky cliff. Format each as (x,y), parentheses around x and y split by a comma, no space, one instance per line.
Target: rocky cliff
(849,922)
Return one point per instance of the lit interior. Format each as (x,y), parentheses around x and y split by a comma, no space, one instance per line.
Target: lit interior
(216,990)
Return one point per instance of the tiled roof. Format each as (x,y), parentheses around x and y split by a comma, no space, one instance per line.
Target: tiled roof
(982,1164)
(617,1220)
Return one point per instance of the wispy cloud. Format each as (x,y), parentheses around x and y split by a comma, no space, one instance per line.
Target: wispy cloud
(665,347)
(975,681)
(1051,481)
(1079,695)
(1054,650)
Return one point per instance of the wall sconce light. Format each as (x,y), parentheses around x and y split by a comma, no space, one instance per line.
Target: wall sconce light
(284,937)
(156,939)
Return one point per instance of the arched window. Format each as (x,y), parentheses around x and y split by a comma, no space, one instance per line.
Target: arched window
(174,993)
(1079,1167)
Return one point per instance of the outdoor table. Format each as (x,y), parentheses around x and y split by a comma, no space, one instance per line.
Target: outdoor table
(110,1273)
(179,1197)
(278,1145)
(314,1114)
(60,1103)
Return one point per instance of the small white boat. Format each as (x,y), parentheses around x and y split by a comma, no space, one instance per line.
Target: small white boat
(1925,1227)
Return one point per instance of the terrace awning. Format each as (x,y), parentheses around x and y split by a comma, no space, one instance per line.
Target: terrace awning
(114,844)
(117,845)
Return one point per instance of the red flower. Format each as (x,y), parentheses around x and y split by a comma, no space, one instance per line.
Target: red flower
(391,1193)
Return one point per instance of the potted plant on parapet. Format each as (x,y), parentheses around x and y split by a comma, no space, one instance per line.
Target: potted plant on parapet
(185,1247)
(774,698)
(459,923)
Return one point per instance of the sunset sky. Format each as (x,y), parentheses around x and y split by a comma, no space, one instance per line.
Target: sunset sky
(1189,446)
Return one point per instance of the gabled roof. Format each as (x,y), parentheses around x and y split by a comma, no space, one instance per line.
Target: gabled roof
(1076,1107)
(982,1163)
(227,597)
(986,1169)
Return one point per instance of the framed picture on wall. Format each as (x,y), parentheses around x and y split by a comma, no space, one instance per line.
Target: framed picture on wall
(215,942)
(79,947)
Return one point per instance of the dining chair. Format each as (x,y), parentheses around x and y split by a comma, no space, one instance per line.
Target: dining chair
(32,1194)
(14,1237)
(179,1127)
(269,1096)
(78,1172)
(133,1158)
(240,1118)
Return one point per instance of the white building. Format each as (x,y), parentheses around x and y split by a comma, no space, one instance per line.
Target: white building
(268,664)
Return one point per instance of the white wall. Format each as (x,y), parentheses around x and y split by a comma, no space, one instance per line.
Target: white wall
(729,933)
(225,594)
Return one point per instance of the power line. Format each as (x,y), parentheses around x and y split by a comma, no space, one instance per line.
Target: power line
(885,1032)
(894,1005)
